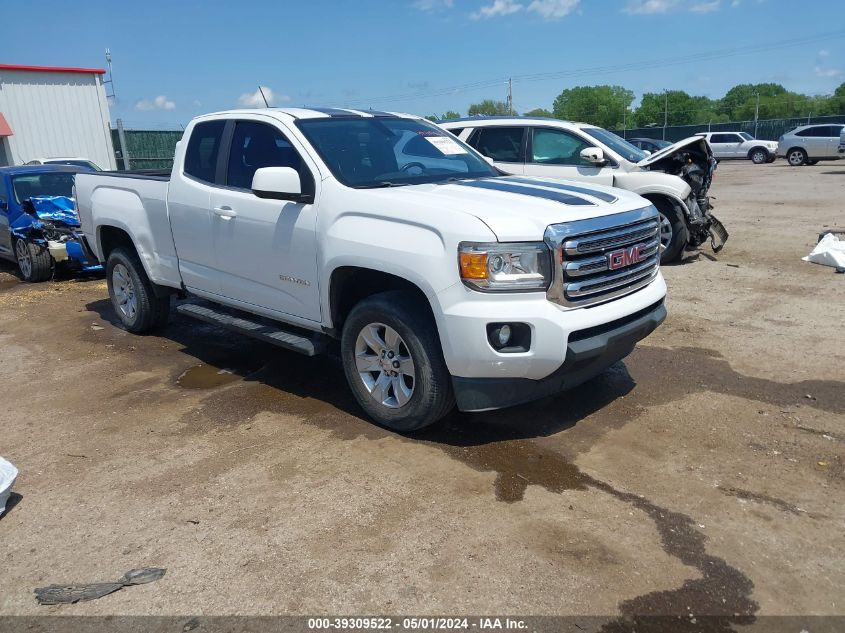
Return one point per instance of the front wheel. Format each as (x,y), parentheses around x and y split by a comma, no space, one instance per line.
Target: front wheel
(796,157)
(673,232)
(34,261)
(132,294)
(393,362)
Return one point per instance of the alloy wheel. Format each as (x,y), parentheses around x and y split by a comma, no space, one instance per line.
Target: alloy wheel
(385,365)
(124,291)
(24,258)
(665,232)
(796,158)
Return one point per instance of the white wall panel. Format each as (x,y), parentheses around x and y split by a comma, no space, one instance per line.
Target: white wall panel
(56,114)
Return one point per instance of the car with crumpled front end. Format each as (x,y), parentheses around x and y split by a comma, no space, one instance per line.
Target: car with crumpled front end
(39,226)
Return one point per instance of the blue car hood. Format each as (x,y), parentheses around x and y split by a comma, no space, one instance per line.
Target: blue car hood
(56,209)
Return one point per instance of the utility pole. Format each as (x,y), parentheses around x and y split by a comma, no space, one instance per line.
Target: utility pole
(665,112)
(510,97)
(756,114)
(110,81)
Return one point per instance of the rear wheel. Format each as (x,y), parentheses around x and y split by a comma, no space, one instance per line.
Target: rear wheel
(758,155)
(393,362)
(133,294)
(796,157)
(34,261)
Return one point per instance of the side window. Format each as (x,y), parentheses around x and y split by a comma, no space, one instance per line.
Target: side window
(557,147)
(256,145)
(723,138)
(500,143)
(203,149)
(456,131)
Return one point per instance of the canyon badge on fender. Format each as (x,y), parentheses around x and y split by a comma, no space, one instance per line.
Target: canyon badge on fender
(295,280)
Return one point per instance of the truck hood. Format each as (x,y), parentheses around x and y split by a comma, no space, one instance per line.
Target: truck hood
(517,208)
(693,142)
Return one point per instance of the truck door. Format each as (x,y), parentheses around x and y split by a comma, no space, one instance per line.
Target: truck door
(188,204)
(266,250)
(556,153)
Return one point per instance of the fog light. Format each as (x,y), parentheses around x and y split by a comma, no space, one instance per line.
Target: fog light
(504,335)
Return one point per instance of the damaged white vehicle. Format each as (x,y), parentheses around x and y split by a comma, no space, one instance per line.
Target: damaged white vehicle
(676,179)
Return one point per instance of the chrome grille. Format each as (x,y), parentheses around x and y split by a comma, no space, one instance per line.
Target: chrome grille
(584,274)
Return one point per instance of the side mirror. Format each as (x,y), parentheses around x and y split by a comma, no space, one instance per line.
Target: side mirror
(279,183)
(593,155)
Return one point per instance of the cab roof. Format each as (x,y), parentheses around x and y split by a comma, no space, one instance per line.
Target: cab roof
(317,113)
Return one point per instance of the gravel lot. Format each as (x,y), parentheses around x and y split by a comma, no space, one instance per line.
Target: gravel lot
(704,475)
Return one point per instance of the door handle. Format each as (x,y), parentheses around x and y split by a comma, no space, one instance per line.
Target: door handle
(225,212)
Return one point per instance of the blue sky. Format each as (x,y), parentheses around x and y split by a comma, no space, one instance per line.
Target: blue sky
(173,60)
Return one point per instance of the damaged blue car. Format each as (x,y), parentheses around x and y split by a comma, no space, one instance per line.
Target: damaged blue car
(39,226)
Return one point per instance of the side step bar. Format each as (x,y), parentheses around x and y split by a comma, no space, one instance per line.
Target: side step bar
(257,327)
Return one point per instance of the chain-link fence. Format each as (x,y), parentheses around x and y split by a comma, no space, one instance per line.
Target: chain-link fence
(766,129)
(146,149)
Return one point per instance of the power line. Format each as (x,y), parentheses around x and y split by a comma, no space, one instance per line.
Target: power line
(601,70)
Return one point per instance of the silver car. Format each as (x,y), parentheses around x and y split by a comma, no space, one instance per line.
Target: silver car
(808,144)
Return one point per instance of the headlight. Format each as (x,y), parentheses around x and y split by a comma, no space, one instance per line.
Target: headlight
(514,266)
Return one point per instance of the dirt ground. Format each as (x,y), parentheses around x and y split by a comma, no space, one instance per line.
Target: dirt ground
(702,476)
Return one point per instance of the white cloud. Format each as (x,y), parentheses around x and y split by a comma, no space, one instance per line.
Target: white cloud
(828,72)
(645,7)
(650,6)
(547,9)
(433,5)
(497,9)
(735,4)
(553,9)
(159,103)
(255,100)
(706,7)
(824,53)
(197,103)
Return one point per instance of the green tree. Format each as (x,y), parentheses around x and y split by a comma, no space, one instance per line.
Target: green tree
(449,114)
(489,107)
(678,108)
(539,112)
(600,105)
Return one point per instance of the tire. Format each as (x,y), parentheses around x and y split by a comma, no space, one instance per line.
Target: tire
(796,157)
(419,393)
(759,155)
(132,293)
(34,261)
(673,230)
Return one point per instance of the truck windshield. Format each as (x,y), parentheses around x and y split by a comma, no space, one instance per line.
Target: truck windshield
(369,152)
(746,136)
(616,143)
(58,183)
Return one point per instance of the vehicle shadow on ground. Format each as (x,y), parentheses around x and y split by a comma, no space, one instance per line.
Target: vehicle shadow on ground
(839,172)
(13,500)
(317,385)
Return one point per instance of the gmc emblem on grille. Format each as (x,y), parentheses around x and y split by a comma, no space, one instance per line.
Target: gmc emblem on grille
(625,257)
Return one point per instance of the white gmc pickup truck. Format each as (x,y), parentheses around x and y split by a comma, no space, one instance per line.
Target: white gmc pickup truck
(444,281)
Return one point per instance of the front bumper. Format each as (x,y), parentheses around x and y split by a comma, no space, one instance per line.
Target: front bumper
(588,353)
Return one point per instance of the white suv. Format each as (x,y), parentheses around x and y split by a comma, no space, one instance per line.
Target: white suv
(741,145)
(675,179)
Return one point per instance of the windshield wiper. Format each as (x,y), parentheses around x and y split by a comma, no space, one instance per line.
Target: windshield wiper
(383,184)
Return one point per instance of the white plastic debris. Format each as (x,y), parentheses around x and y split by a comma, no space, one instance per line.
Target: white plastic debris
(8,474)
(830,251)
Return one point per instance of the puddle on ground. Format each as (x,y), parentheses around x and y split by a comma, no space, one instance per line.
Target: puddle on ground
(206,377)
